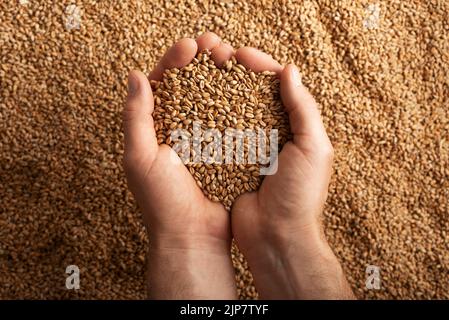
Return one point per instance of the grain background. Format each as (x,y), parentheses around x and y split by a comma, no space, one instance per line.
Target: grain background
(382,84)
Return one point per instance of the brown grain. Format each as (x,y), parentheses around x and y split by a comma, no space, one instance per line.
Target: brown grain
(383,93)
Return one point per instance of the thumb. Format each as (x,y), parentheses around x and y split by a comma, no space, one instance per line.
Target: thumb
(305,119)
(140,136)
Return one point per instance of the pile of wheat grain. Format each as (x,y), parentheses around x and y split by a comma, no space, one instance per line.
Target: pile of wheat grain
(221,99)
(377,68)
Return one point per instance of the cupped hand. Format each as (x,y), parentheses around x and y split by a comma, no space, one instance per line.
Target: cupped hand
(278,228)
(291,200)
(186,229)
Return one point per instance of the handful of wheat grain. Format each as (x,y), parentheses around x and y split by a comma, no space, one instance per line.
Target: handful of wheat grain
(220,100)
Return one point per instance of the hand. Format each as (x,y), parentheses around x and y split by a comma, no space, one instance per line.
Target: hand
(190,236)
(278,227)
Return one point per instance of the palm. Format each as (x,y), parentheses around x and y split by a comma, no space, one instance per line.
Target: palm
(293,186)
(293,198)
(159,182)
(185,207)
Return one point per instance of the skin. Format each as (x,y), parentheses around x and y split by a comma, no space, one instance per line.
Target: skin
(277,228)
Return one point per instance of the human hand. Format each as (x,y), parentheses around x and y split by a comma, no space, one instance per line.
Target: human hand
(190,236)
(278,228)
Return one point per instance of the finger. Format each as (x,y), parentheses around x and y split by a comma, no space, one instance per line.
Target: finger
(178,56)
(207,41)
(302,109)
(222,53)
(257,60)
(140,137)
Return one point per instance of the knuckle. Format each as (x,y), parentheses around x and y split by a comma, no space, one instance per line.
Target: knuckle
(130,162)
(328,152)
(323,151)
(127,115)
(136,163)
(127,163)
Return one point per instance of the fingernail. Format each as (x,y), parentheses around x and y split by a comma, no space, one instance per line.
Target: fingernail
(133,84)
(296,76)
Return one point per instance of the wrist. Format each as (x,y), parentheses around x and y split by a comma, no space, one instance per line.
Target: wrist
(187,242)
(315,274)
(298,264)
(306,238)
(182,267)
